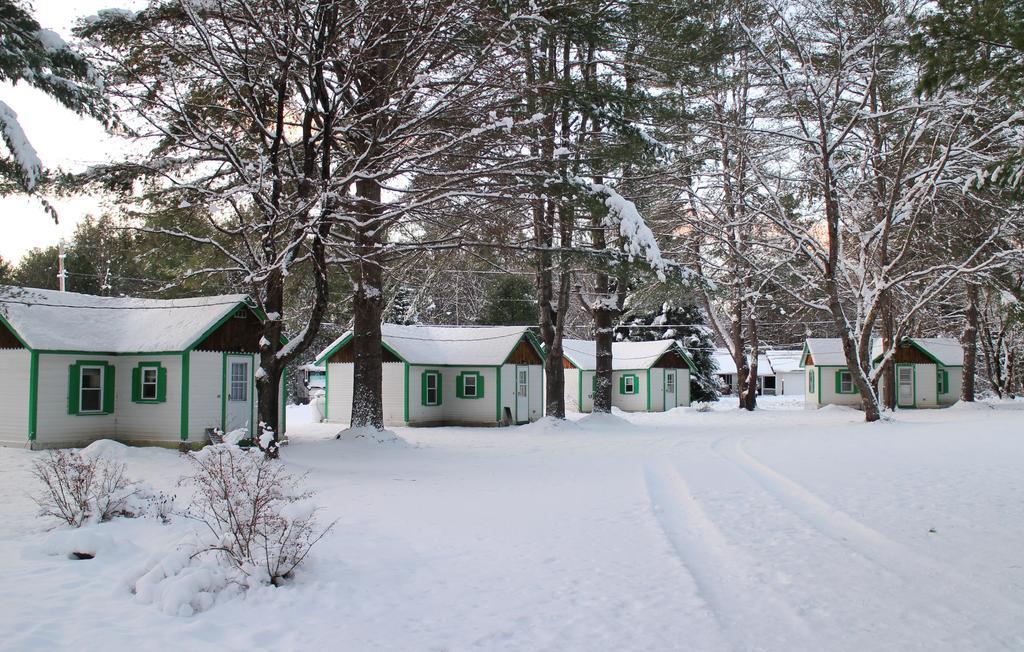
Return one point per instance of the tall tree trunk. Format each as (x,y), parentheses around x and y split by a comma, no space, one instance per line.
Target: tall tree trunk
(888,376)
(969,340)
(367,307)
(750,400)
(268,377)
(603,346)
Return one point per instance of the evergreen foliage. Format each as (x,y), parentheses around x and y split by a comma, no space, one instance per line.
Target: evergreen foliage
(40,58)
(510,302)
(403,309)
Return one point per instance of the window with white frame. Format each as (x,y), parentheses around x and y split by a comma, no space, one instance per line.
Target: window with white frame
(810,381)
(469,386)
(629,384)
(150,383)
(90,397)
(431,388)
(845,382)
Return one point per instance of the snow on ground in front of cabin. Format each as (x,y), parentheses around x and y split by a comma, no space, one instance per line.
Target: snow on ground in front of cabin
(782,529)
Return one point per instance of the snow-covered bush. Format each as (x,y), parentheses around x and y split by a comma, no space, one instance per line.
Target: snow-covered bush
(78,489)
(261,520)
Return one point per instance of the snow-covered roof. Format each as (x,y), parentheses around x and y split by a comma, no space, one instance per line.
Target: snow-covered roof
(625,355)
(724,362)
(784,361)
(944,350)
(457,345)
(727,366)
(66,321)
(825,351)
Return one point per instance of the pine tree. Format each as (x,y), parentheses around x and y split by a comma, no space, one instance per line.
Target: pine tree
(40,58)
(687,324)
(403,309)
(510,302)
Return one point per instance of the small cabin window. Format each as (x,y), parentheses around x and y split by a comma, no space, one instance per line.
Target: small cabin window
(845,382)
(670,383)
(810,380)
(629,384)
(431,388)
(91,389)
(469,384)
(150,381)
(942,381)
(240,313)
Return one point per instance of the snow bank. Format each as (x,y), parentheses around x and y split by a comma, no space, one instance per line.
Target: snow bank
(366,436)
(92,540)
(599,421)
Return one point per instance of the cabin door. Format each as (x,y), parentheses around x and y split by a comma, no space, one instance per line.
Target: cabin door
(905,385)
(522,394)
(238,391)
(670,389)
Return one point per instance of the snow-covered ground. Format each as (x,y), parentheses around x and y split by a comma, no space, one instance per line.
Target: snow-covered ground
(722,530)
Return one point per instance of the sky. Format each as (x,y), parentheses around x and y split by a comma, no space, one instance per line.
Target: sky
(61,138)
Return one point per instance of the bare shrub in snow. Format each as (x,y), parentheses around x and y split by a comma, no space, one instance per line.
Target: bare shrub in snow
(262,521)
(77,489)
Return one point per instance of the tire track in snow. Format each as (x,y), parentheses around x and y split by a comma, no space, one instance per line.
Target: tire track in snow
(960,594)
(737,597)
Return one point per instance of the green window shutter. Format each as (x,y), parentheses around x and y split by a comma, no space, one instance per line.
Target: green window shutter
(839,381)
(137,384)
(74,378)
(480,385)
(459,393)
(108,389)
(423,387)
(161,385)
(593,383)
(439,397)
(622,384)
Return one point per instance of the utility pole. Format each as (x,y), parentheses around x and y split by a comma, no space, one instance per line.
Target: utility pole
(61,275)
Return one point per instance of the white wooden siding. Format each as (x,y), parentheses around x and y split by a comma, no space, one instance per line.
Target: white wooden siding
(453,410)
(537,390)
(956,384)
(829,396)
(791,383)
(148,421)
(54,426)
(339,392)
(14,392)
(683,385)
(630,402)
(394,393)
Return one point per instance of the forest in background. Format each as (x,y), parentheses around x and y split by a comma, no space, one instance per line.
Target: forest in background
(766,171)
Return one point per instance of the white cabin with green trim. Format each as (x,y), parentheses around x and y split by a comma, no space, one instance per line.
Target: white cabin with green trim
(78,368)
(827,378)
(929,371)
(445,375)
(646,376)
